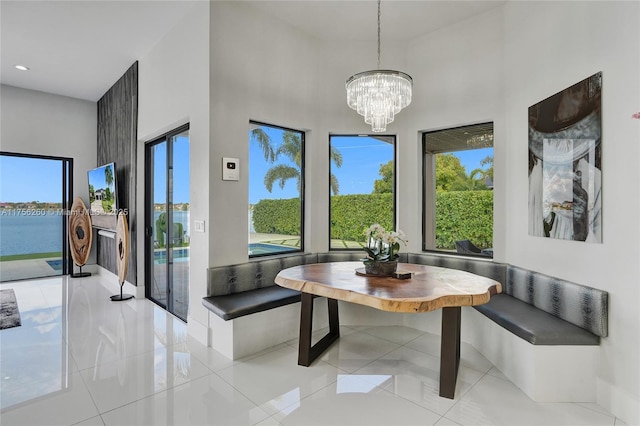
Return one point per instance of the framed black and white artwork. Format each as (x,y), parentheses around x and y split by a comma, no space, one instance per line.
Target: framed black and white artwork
(565,166)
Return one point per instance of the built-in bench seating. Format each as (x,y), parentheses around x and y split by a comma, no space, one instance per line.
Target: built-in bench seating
(242,299)
(238,290)
(538,311)
(535,307)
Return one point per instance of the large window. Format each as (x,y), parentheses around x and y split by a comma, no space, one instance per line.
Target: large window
(35,194)
(362,187)
(458,190)
(276,188)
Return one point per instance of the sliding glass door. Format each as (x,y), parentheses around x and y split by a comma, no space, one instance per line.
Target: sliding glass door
(167,230)
(35,193)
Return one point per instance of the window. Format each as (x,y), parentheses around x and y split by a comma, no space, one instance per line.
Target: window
(276,185)
(458,190)
(35,194)
(362,187)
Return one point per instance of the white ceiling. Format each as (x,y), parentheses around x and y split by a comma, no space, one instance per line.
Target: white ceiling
(357,20)
(80,48)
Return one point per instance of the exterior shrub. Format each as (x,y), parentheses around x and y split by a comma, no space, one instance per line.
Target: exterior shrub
(277,216)
(460,215)
(352,214)
(464,215)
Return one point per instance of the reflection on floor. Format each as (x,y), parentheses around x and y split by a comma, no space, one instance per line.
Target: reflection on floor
(79,358)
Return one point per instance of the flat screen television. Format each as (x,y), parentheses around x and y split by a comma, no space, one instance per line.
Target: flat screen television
(103,196)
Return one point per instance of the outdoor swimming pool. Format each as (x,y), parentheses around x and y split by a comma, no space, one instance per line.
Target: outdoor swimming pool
(179,255)
(264,248)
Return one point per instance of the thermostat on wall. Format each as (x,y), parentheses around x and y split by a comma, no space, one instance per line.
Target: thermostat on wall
(230,168)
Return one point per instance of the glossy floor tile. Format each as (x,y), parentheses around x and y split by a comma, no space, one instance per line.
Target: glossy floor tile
(80,359)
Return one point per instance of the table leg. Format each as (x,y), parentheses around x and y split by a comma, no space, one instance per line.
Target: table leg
(306,352)
(449,351)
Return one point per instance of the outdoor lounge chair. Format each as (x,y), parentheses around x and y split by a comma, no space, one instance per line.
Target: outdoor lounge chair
(467,247)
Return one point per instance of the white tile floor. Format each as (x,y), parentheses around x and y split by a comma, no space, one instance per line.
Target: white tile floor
(79,358)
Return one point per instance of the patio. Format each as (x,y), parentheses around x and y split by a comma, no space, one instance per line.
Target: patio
(11,270)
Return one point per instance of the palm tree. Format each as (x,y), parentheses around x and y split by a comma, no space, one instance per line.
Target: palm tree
(473,182)
(108,177)
(336,157)
(264,142)
(477,180)
(291,148)
(488,161)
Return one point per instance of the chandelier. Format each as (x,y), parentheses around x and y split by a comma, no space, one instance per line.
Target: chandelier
(378,95)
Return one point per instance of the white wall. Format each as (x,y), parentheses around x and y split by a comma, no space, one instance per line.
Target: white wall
(40,123)
(264,70)
(174,90)
(458,80)
(549,46)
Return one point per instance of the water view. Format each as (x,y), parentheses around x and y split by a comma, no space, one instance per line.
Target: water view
(22,234)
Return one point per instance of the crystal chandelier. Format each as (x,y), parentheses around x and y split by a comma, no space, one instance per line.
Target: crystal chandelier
(378,95)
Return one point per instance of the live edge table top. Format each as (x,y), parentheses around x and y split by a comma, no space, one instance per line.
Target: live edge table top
(428,289)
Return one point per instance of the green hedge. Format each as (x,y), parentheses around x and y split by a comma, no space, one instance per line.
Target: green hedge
(459,215)
(352,214)
(464,215)
(277,216)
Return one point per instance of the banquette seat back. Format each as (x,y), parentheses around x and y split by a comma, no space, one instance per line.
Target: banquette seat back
(578,304)
(252,275)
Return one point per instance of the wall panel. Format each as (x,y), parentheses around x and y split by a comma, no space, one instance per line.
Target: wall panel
(117,134)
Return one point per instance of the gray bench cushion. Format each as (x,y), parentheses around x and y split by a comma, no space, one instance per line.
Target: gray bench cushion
(349,256)
(583,306)
(495,271)
(533,325)
(223,280)
(235,305)
(341,256)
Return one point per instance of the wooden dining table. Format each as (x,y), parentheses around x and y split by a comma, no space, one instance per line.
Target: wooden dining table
(428,288)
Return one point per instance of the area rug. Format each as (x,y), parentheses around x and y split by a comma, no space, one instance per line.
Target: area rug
(9,314)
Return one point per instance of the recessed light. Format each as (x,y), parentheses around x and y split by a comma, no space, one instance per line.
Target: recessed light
(22,68)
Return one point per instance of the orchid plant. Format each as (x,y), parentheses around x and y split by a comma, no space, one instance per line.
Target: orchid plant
(383,245)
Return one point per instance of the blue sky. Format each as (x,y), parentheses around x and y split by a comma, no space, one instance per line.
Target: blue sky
(30,179)
(362,158)
(180,171)
(471,159)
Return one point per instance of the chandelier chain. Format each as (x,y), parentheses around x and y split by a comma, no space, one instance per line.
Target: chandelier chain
(379,1)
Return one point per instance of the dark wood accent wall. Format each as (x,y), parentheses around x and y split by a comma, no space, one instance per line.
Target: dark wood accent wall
(117,136)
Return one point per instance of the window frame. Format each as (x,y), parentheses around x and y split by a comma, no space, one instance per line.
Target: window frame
(395,182)
(425,191)
(303,134)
